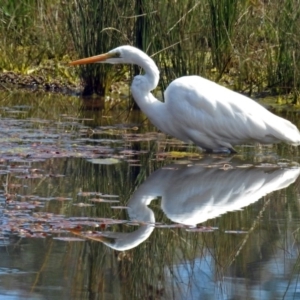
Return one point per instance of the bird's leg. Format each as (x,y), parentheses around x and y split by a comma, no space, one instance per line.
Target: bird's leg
(232,151)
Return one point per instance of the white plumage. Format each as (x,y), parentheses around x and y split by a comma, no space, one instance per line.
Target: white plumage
(198,110)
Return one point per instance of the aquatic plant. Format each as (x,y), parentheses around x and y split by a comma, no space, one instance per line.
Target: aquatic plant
(31,33)
(95,28)
(285,73)
(249,45)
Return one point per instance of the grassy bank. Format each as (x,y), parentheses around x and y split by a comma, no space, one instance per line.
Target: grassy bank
(251,46)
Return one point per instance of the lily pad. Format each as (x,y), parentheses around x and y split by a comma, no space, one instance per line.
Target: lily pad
(104,161)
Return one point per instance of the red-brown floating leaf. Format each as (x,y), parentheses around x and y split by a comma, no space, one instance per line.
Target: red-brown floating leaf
(35,170)
(96,236)
(103,226)
(77,228)
(62,199)
(33,176)
(55,175)
(86,194)
(226,167)
(12,185)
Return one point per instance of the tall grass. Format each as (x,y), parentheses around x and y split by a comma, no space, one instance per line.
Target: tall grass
(172,35)
(96,27)
(250,45)
(287,56)
(30,33)
(223,17)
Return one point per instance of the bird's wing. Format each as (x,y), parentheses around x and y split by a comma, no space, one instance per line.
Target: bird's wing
(208,112)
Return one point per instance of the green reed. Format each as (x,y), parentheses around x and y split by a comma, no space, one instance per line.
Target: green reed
(223,16)
(96,27)
(286,72)
(31,32)
(172,32)
(251,45)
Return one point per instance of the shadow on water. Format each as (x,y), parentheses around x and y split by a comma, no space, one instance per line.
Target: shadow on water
(97,204)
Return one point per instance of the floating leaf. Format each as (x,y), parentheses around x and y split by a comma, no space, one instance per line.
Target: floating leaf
(81,204)
(104,161)
(85,194)
(62,199)
(202,229)
(69,239)
(104,200)
(170,226)
(236,231)
(119,207)
(108,196)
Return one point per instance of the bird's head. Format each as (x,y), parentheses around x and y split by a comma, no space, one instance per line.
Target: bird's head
(120,55)
(127,55)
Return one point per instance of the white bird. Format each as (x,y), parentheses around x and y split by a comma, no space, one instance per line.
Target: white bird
(198,110)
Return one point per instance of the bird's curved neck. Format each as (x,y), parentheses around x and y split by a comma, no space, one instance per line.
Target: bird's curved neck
(151,76)
(142,86)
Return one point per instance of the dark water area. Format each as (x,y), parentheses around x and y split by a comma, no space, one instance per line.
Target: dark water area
(100,205)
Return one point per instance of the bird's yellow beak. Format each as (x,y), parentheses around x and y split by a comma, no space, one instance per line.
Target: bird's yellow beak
(91,60)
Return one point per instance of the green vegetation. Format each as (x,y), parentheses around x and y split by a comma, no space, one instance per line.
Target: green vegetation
(250,45)
(95,28)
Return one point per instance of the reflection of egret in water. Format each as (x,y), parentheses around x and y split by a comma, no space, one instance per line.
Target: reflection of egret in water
(192,194)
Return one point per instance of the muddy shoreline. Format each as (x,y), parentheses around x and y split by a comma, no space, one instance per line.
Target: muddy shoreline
(10,81)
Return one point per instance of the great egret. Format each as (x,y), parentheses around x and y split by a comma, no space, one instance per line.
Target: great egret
(198,110)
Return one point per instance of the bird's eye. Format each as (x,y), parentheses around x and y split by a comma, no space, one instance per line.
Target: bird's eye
(116,54)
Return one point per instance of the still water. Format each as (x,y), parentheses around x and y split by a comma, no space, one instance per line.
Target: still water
(99,205)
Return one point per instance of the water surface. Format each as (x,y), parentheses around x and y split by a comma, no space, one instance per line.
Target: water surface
(99,205)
